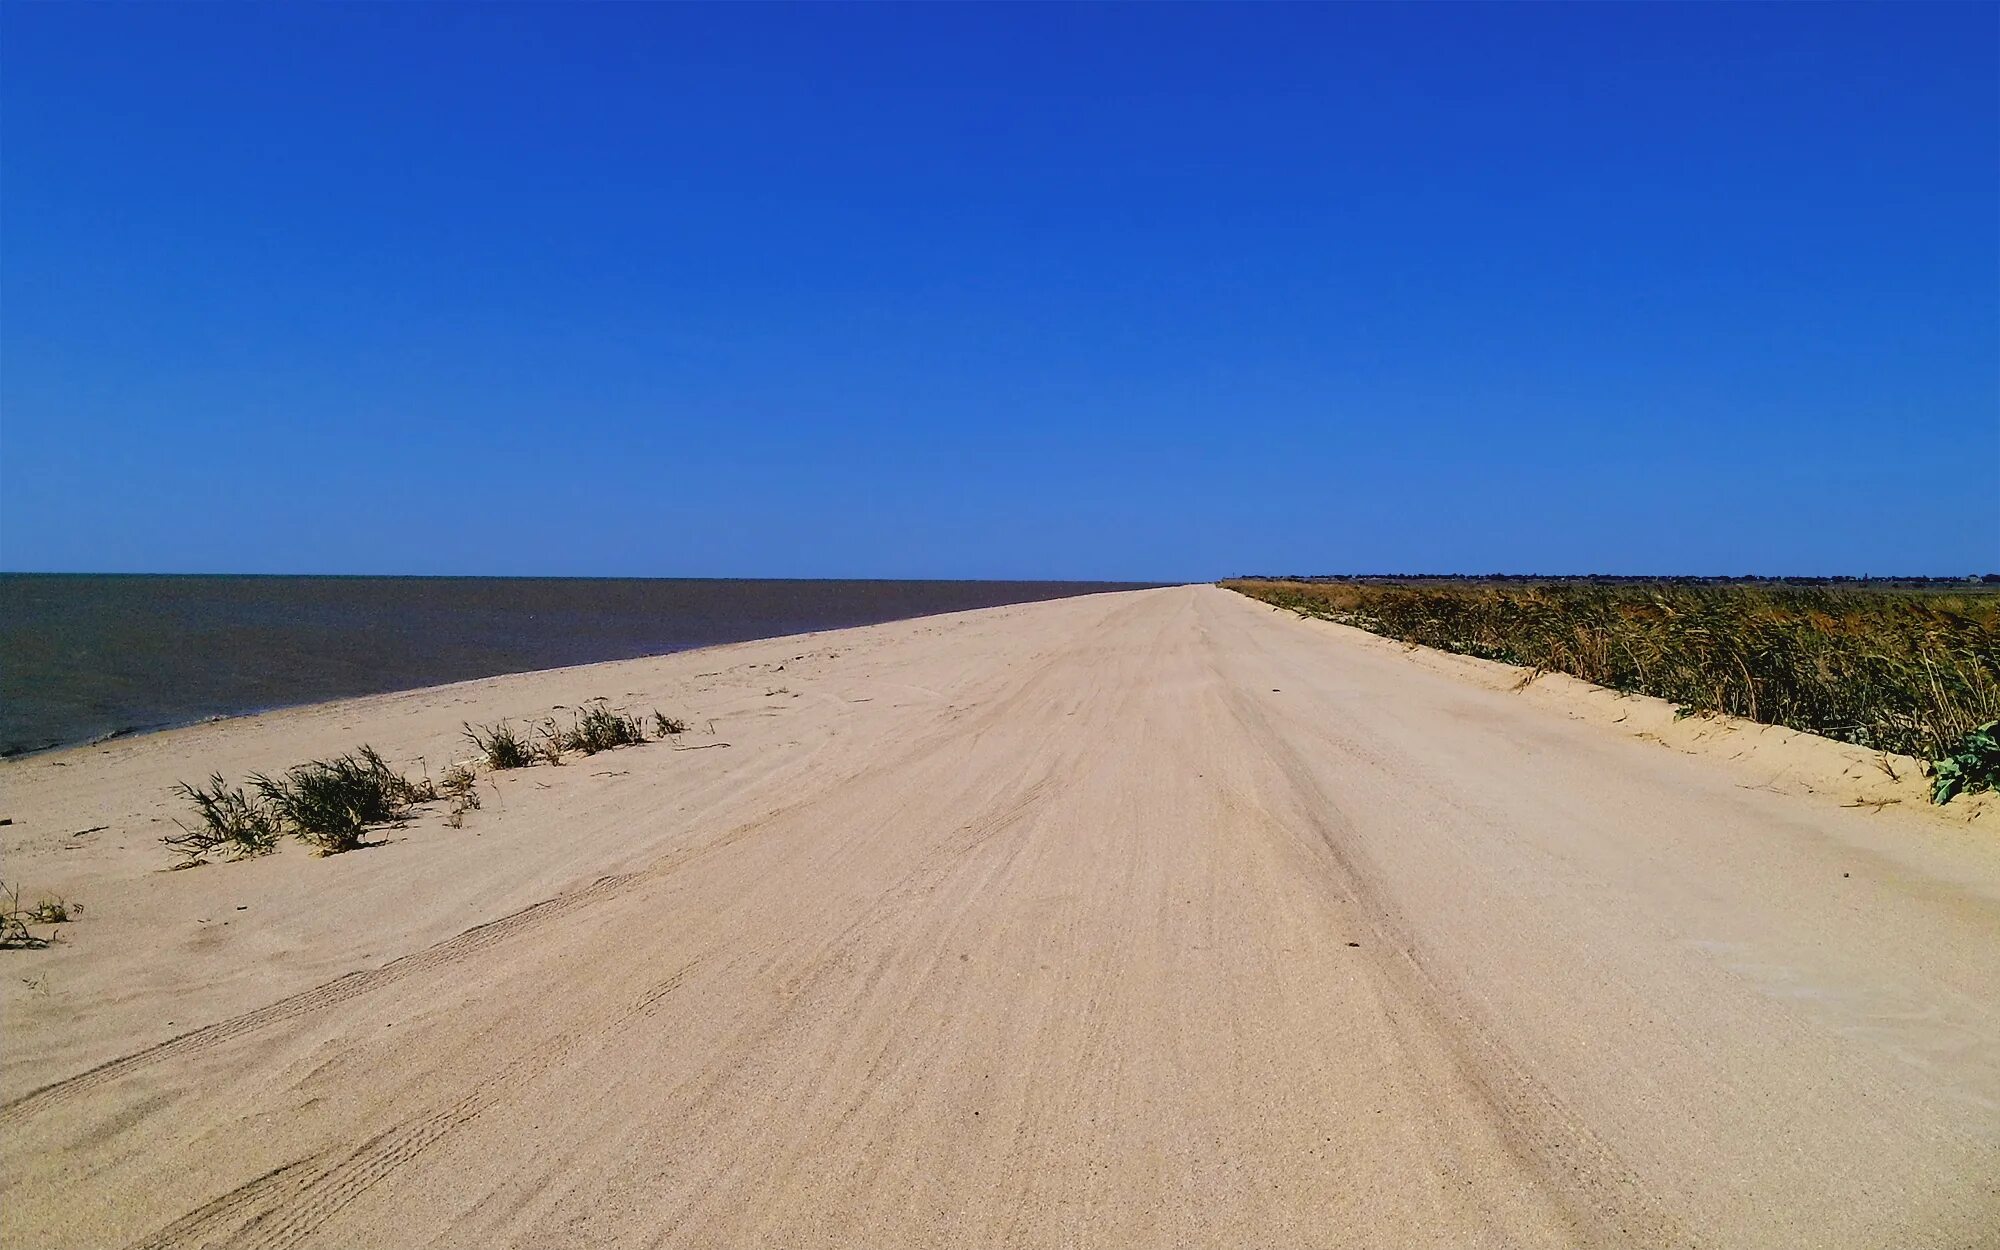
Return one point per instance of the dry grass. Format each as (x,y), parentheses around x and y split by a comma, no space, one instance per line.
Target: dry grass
(461,786)
(1916,674)
(15,919)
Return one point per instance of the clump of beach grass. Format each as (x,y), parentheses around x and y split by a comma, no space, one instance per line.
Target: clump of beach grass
(461,786)
(54,911)
(549,743)
(14,930)
(599,728)
(228,823)
(501,746)
(15,919)
(330,804)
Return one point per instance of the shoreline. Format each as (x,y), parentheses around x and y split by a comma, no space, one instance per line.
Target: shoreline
(484,633)
(1659,720)
(134,732)
(118,795)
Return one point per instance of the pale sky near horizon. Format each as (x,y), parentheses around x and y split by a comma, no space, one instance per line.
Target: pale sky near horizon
(1159,292)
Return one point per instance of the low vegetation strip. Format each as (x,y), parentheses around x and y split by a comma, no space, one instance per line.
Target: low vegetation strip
(332,804)
(1916,674)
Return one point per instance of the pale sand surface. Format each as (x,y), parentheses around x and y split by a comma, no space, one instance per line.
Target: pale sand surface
(1140,919)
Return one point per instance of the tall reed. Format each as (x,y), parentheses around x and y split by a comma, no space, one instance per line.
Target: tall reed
(1913,673)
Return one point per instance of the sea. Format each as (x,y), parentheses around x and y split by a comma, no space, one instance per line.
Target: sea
(89,657)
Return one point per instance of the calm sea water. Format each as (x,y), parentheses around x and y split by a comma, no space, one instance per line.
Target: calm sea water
(84,656)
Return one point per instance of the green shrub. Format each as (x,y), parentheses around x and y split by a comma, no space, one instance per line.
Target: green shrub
(1972,765)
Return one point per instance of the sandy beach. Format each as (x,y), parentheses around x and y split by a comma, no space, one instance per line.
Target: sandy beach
(1138,919)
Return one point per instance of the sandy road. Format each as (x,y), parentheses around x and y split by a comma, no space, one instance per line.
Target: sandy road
(1143,919)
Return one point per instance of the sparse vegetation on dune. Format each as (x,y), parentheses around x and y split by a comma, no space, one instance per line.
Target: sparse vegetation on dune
(501,746)
(15,919)
(595,727)
(331,804)
(327,804)
(1917,674)
(460,785)
(598,728)
(549,743)
(229,823)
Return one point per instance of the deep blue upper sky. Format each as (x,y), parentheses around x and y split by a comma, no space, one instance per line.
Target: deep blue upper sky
(1149,292)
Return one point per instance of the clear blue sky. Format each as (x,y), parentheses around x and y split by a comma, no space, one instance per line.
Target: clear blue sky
(1035,291)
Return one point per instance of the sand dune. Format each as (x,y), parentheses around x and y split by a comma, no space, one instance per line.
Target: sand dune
(1141,919)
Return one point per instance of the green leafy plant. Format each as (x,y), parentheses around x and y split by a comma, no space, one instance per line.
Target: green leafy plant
(1972,765)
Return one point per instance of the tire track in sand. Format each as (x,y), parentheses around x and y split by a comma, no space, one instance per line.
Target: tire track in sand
(924,747)
(1599,1192)
(286,1205)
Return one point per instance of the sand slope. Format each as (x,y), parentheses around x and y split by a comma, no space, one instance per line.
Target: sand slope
(1140,919)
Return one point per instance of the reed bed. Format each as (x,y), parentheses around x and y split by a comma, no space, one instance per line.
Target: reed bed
(1912,673)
